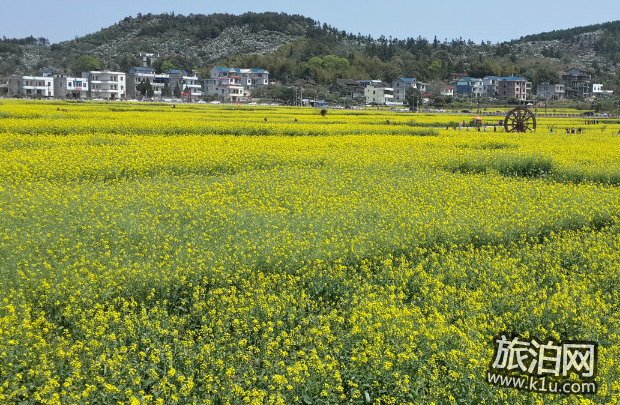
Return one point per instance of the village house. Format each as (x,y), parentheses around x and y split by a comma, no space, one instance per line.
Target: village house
(469,85)
(550,91)
(379,95)
(400,86)
(596,90)
(447,91)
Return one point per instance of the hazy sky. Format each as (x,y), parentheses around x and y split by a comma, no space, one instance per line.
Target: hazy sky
(61,20)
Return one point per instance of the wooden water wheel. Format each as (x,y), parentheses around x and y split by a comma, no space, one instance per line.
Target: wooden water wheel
(520,119)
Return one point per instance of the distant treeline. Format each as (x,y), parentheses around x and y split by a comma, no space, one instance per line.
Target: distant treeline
(568,34)
(11,45)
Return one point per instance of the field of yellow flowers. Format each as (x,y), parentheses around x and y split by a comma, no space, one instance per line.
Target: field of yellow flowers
(259,255)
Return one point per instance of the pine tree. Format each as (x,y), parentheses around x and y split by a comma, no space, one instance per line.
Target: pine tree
(166,91)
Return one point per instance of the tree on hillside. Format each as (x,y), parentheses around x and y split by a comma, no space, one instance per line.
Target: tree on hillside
(180,62)
(166,66)
(85,63)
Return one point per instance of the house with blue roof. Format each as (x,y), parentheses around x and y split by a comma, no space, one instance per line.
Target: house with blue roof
(470,85)
(401,84)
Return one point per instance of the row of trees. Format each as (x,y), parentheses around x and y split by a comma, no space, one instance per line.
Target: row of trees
(146,89)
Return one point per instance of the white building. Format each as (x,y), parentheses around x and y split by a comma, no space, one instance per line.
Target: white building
(447,91)
(106,84)
(550,91)
(66,86)
(379,95)
(597,90)
(31,86)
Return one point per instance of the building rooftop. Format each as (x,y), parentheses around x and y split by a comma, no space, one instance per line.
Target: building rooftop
(239,70)
(140,69)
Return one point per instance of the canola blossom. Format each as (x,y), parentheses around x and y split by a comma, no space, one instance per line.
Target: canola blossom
(252,255)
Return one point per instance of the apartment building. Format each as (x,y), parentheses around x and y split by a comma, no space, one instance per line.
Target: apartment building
(517,87)
(577,82)
(250,78)
(228,89)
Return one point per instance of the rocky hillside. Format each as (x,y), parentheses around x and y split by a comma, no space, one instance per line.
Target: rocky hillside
(294,47)
(198,38)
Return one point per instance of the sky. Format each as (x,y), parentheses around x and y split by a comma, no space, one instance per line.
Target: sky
(478,20)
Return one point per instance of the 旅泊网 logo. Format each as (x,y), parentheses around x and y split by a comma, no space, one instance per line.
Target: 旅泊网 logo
(566,367)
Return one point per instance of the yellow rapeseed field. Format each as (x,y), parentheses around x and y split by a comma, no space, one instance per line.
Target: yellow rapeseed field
(267,255)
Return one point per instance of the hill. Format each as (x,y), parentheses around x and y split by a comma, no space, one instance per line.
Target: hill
(294,48)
